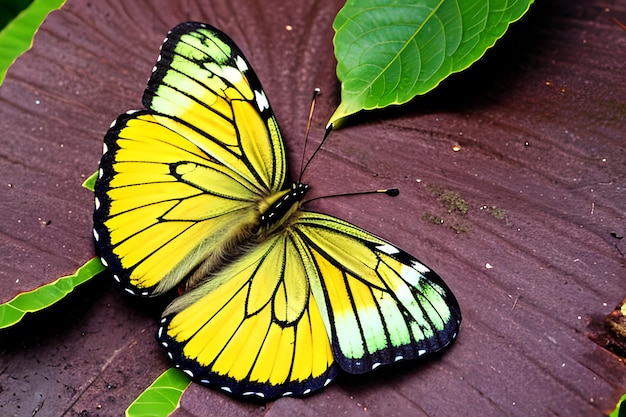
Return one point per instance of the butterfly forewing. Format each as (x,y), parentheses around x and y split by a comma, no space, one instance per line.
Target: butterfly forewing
(154,221)
(181,180)
(203,79)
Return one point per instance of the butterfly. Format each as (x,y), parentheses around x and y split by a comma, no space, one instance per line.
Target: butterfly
(193,193)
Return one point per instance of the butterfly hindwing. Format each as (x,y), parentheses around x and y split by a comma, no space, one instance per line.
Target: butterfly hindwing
(383,304)
(254,328)
(324,293)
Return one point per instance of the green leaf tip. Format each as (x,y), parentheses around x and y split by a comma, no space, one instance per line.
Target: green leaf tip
(17,36)
(389,52)
(90,183)
(14,310)
(620,409)
(162,397)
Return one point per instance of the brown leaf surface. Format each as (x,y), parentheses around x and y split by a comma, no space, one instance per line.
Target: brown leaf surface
(540,167)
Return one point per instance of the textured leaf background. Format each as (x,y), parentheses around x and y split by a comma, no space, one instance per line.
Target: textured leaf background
(538,126)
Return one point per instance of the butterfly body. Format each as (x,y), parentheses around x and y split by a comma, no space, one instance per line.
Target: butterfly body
(282,204)
(193,192)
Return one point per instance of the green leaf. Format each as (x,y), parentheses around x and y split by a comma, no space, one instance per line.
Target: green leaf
(620,409)
(390,51)
(14,310)
(10,9)
(90,183)
(162,397)
(17,36)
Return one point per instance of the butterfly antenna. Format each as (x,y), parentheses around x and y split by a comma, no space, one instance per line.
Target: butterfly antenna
(304,166)
(392,192)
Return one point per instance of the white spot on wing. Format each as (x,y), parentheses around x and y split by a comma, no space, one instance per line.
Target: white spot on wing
(410,275)
(105,148)
(241,64)
(376,365)
(96,235)
(258,394)
(420,267)
(100,173)
(388,249)
(227,389)
(96,201)
(104,262)
(398,358)
(261,100)
(421,352)
(188,372)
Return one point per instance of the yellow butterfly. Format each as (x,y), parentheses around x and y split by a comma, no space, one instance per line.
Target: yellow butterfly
(193,192)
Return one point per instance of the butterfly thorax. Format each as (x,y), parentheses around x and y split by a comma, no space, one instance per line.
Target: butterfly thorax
(278,207)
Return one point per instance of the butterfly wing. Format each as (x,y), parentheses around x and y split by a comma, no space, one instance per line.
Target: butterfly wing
(180,181)
(203,79)
(254,327)
(381,304)
(320,293)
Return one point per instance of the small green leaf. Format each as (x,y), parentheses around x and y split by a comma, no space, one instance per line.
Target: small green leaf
(14,310)
(90,183)
(620,409)
(162,397)
(17,36)
(390,51)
